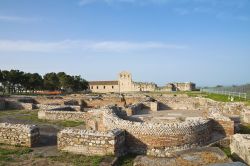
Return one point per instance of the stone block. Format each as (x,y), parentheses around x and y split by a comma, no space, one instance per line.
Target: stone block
(154,106)
(240,147)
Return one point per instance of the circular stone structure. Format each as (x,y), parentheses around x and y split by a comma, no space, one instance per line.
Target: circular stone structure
(160,139)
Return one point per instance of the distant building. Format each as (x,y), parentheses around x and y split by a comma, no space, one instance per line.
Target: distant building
(124,84)
(180,86)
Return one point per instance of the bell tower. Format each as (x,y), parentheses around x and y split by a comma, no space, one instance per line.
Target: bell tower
(125,81)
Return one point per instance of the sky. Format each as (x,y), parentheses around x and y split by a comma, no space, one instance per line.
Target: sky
(161,41)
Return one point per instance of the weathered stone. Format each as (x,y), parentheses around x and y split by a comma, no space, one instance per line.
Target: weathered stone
(19,134)
(240,146)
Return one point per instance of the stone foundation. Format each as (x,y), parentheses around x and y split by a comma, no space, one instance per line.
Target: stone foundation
(160,139)
(246,117)
(240,147)
(63,115)
(19,106)
(92,142)
(19,134)
(224,127)
(153,106)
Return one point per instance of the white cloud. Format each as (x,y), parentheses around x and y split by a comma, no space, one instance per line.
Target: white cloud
(15,19)
(82,46)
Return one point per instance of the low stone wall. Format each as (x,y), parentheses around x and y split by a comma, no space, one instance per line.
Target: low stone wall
(63,115)
(222,124)
(19,106)
(183,102)
(134,109)
(246,116)
(2,104)
(240,147)
(224,127)
(58,107)
(19,134)
(92,142)
(160,139)
(92,118)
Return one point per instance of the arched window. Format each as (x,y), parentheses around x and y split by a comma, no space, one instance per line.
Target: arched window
(104,87)
(96,87)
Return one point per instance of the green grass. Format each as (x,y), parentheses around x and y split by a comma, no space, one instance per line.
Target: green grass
(33,117)
(10,153)
(126,160)
(78,160)
(227,151)
(244,129)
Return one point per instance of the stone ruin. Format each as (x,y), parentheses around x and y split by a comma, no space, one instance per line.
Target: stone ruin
(19,134)
(240,147)
(114,130)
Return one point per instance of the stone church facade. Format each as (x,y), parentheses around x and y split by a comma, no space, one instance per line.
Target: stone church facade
(124,84)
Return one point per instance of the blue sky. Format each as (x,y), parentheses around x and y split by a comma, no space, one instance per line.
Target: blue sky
(204,41)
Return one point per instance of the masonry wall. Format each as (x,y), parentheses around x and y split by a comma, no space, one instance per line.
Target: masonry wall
(92,142)
(224,127)
(157,139)
(104,88)
(19,134)
(92,119)
(240,147)
(246,117)
(63,115)
(19,106)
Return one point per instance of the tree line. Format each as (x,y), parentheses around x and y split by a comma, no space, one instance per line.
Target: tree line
(16,81)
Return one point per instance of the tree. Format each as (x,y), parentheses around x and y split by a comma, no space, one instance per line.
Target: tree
(1,77)
(5,80)
(1,81)
(32,81)
(51,81)
(79,84)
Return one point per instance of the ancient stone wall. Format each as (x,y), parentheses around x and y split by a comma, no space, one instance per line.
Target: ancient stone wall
(224,127)
(63,115)
(246,116)
(182,102)
(58,107)
(11,104)
(89,142)
(159,139)
(92,119)
(240,147)
(19,134)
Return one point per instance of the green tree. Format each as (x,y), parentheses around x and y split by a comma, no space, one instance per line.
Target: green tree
(79,84)
(51,81)
(5,81)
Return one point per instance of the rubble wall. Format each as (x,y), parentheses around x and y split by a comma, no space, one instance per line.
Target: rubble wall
(90,142)
(159,139)
(19,134)
(240,147)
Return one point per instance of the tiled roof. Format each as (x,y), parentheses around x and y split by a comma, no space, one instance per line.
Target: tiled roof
(103,82)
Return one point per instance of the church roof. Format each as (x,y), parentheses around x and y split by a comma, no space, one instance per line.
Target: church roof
(103,82)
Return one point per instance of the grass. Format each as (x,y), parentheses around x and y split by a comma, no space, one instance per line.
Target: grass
(126,160)
(244,129)
(11,153)
(227,151)
(78,160)
(33,117)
